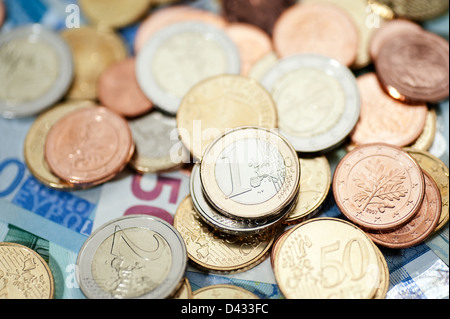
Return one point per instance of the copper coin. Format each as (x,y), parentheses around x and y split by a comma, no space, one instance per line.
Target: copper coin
(384,119)
(170,15)
(317,28)
(261,13)
(389,30)
(415,67)
(252,42)
(378,186)
(89,146)
(119,90)
(420,227)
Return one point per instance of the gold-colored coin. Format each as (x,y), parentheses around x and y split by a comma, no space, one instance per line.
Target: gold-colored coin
(315,183)
(224,292)
(426,139)
(35,143)
(24,274)
(326,258)
(383,286)
(440,173)
(114,13)
(93,51)
(219,104)
(214,251)
(185,291)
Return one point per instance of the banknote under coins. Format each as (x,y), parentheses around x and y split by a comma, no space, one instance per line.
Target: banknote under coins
(36,70)
(24,274)
(136,256)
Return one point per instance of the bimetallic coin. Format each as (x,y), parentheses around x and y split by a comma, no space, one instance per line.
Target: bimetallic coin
(384,119)
(93,51)
(326,258)
(136,256)
(168,15)
(250,172)
(215,252)
(36,70)
(117,89)
(409,74)
(181,55)
(440,174)
(223,292)
(24,274)
(225,224)
(318,28)
(315,183)
(89,146)
(378,186)
(317,100)
(158,148)
(420,227)
(35,143)
(114,13)
(263,65)
(219,104)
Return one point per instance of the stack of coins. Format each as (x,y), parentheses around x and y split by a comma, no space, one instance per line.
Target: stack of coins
(382,189)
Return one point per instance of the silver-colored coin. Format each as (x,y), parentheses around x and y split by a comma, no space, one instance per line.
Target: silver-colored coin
(179,56)
(158,147)
(225,224)
(317,99)
(250,173)
(36,70)
(136,256)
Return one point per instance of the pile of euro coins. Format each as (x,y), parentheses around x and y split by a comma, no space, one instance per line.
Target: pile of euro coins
(258,97)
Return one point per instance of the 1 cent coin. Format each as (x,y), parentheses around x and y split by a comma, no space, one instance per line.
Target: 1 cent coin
(378,186)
